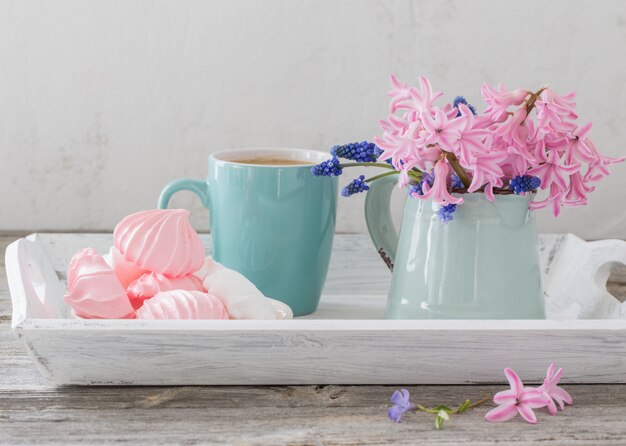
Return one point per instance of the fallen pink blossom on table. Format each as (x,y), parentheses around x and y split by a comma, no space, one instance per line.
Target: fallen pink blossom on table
(554,392)
(518,399)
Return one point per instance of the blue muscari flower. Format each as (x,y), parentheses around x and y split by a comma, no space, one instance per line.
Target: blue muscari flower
(363,152)
(461,100)
(445,212)
(357,185)
(401,404)
(415,189)
(456,182)
(327,168)
(526,183)
(428,178)
(390,162)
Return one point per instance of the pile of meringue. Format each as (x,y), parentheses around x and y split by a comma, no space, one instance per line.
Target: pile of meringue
(156,269)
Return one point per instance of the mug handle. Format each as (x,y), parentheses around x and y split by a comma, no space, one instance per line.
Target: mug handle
(378,218)
(198,187)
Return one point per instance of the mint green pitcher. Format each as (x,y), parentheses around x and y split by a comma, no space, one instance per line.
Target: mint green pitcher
(484,264)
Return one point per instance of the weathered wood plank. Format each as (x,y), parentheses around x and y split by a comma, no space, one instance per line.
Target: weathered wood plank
(331,415)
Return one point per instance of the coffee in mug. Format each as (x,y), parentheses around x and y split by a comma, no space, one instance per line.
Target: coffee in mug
(262,161)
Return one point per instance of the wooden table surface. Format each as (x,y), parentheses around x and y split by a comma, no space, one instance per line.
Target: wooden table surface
(33,412)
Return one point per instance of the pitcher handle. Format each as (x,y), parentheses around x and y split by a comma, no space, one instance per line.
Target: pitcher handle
(198,187)
(378,218)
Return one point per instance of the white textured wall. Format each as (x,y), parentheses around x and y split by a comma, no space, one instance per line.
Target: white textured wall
(103,102)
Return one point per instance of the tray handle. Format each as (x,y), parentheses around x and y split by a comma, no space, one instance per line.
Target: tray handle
(576,286)
(36,291)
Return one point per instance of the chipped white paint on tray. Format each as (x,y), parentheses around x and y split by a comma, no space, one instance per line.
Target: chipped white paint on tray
(341,343)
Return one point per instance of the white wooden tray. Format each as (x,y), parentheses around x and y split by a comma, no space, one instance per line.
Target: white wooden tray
(345,342)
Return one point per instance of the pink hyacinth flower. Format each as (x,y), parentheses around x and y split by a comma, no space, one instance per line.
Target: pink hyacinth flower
(577,191)
(425,98)
(553,392)
(520,160)
(394,125)
(399,93)
(555,199)
(401,144)
(487,171)
(440,130)
(565,101)
(554,110)
(439,191)
(509,129)
(552,172)
(517,400)
(578,145)
(498,100)
(470,140)
(599,167)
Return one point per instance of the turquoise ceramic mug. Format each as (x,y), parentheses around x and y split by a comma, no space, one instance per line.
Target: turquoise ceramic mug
(273,222)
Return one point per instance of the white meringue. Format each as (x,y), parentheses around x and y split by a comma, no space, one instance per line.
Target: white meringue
(241,298)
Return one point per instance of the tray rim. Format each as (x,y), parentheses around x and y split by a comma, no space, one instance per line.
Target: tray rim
(337,325)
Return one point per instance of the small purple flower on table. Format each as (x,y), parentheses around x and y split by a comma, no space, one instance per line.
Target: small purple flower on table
(355,186)
(401,404)
(517,400)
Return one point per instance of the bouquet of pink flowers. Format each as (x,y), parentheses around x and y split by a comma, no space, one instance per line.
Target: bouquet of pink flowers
(525,141)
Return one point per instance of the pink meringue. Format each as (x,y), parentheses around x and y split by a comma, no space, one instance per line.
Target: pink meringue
(161,241)
(150,284)
(126,272)
(94,291)
(241,298)
(181,304)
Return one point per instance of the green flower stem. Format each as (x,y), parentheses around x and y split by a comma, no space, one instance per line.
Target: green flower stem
(413,173)
(425,409)
(460,408)
(479,402)
(382,175)
(443,412)
(384,166)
